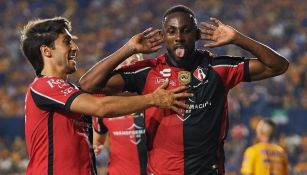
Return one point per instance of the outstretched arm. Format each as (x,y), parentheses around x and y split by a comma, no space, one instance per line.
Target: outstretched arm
(97,77)
(113,106)
(268,63)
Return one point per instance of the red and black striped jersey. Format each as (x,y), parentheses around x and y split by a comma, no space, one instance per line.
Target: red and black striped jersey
(190,144)
(57,140)
(128,151)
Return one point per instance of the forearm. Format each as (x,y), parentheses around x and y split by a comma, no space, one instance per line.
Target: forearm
(113,106)
(96,78)
(263,53)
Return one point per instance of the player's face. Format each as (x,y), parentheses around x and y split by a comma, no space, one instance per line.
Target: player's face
(180,35)
(65,53)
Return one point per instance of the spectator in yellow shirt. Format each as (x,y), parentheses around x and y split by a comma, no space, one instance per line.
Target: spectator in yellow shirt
(265,157)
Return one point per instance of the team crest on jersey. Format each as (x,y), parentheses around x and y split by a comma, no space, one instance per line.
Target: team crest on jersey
(199,74)
(184,77)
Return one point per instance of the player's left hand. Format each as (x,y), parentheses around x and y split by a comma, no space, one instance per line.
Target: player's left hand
(148,41)
(219,33)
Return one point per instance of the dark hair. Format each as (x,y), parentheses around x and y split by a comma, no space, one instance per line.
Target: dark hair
(272,125)
(41,32)
(179,8)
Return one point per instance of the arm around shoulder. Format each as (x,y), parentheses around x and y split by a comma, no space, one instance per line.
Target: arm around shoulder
(113,106)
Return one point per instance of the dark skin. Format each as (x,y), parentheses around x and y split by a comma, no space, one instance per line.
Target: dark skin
(180,30)
(268,63)
(60,62)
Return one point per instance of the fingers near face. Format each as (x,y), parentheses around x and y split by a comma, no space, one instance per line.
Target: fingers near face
(206,25)
(216,21)
(147,31)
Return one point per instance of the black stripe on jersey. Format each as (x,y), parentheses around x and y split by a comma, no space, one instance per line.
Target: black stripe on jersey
(45,103)
(141,147)
(71,99)
(226,60)
(202,129)
(103,128)
(50,143)
(247,76)
(88,120)
(136,80)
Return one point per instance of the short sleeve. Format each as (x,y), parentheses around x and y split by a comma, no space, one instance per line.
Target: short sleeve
(50,93)
(99,126)
(232,70)
(248,162)
(135,81)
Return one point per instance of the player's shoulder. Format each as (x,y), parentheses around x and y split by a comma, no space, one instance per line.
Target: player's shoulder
(46,81)
(226,60)
(279,149)
(250,153)
(147,63)
(253,149)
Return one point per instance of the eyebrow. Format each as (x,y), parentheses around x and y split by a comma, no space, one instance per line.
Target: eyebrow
(72,37)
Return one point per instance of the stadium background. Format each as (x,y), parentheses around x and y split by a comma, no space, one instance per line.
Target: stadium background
(104,25)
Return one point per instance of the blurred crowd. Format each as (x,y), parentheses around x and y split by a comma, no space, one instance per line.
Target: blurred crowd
(103,26)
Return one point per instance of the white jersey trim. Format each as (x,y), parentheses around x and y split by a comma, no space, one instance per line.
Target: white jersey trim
(227,65)
(47,97)
(140,70)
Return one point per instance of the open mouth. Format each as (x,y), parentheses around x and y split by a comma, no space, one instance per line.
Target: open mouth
(72,56)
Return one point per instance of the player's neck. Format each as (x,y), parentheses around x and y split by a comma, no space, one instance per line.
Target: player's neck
(49,71)
(264,140)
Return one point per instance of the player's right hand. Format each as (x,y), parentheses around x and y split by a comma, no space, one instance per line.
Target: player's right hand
(146,42)
(171,99)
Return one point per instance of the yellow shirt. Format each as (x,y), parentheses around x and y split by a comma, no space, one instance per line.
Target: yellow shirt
(265,159)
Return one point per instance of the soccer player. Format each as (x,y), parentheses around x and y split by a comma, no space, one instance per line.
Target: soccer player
(127,139)
(55,129)
(265,157)
(190,144)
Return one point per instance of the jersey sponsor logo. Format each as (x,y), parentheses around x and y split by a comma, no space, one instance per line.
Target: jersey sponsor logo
(58,82)
(270,153)
(66,88)
(193,106)
(199,74)
(162,80)
(166,72)
(134,132)
(184,77)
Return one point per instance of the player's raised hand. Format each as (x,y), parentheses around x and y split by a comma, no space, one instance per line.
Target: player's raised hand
(218,33)
(148,41)
(170,99)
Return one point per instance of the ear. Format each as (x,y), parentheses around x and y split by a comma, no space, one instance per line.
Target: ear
(45,51)
(198,34)
(161,32)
